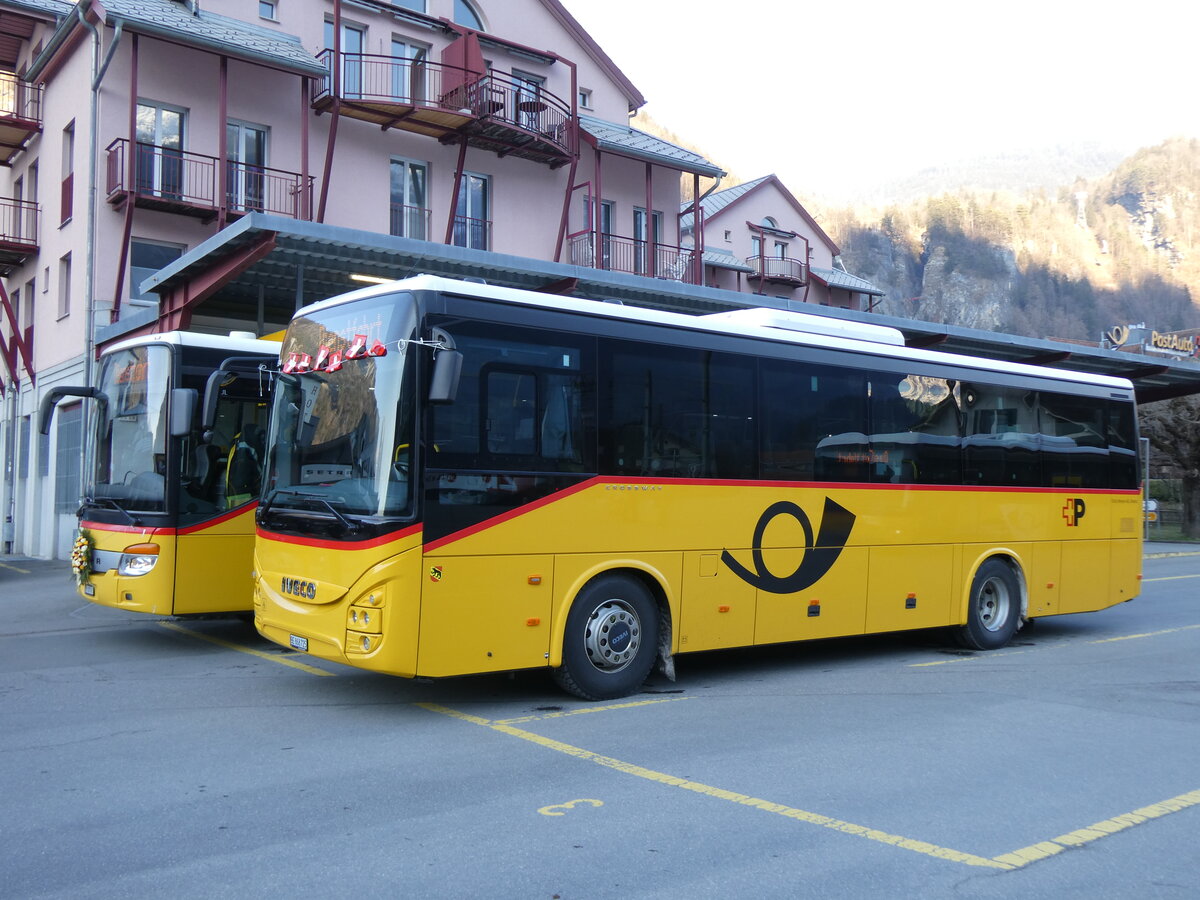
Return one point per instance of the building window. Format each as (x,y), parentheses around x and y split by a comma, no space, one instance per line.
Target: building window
(246,151)
(472,227)
(755,245)
(68,173)
(146,258)
(66,458)
(585,98)
(466,14)
(646,249)
(354,42)
(30,290)
(414,5)
(160,138)
(410,78)
(268,9)
(728,236)
(781,249)
(64,286)
(409,214)
(530,104)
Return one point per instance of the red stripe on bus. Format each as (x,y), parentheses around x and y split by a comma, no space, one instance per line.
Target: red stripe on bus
(169,532)
(339,545)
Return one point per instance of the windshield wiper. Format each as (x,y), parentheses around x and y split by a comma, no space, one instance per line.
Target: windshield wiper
(345,521)
(110,503)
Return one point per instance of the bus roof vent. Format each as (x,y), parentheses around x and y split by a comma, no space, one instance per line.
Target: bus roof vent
(248,335)
(760,317)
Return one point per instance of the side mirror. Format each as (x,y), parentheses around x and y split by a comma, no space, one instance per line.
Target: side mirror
(183,408)
(443,383)
(51,400)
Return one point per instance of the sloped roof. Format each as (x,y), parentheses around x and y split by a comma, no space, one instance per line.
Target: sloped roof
(723,259)
(57,8)
(729,196)
(594,50)
(629,141)
(718,200)
(178,22)
(837,278)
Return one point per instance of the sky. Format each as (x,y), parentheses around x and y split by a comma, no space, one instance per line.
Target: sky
(834,97)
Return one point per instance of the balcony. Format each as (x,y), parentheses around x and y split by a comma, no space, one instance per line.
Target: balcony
(493,112)
(475,234)
(632,256)
(778,270)
(179,181)
(18,233)
(20,115)
(409,222)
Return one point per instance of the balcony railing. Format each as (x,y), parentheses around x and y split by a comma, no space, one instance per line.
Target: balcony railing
(18,232)
(188,183)
(495,111)
(20,114)
(410,222)
(778,269)
(473,233)
(20,99)
(635,257)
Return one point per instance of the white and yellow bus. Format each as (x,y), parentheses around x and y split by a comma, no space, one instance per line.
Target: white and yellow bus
(463,478)
(167,514)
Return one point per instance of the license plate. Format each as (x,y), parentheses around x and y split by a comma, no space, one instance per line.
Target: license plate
(298,643)
(89,590)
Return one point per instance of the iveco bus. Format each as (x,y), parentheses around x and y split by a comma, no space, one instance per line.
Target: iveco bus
(463,478)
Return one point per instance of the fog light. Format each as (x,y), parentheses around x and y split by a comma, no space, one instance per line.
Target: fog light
(138,559)
(366,643)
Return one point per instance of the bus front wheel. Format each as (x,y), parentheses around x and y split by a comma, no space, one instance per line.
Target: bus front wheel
(610,640)
(994,609)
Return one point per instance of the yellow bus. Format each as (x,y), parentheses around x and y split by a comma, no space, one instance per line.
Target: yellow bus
(462,478)
(167,516)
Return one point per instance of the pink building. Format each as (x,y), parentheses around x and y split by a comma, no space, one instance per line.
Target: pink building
(759,238)
(213,164)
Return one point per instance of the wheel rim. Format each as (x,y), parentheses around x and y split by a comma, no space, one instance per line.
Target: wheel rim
(612,635)
(993,603)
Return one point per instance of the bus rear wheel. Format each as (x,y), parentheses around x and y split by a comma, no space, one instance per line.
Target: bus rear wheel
(994,608)
(610,640)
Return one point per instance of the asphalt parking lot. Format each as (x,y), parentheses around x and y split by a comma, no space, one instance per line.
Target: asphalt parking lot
(146,757)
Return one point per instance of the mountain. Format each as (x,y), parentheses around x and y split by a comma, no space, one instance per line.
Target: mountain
(1120,247)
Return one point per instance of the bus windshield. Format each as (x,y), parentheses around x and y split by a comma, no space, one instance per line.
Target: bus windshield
(131,429)
(340,445)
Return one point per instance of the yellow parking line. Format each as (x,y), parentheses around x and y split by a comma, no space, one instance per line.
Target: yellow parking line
(14,568)
(312,670)
(1130,637)
(1169,578)
(1045,849)
(972,658)
(789,812)
(586,709)
(1007,861)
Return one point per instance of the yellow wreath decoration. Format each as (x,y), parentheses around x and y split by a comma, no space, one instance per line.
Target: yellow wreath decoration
(81,557)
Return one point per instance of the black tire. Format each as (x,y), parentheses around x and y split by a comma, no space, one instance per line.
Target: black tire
(994,608)
(611,639)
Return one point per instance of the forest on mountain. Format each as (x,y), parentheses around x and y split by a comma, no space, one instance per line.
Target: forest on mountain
(1118,249)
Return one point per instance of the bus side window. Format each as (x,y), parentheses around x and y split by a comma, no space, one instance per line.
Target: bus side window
(1001,445)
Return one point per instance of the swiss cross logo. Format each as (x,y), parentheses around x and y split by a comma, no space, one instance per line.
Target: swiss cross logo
(1073,511)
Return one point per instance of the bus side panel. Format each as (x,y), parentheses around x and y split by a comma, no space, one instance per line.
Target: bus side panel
(485,614)
(149,593)
(834,606)
(717,608)
(1126,574)
(910,587)
(1085,574)
(213,566)
(1045,575)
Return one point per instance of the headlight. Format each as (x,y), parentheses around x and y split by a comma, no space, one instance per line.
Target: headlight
(138,559)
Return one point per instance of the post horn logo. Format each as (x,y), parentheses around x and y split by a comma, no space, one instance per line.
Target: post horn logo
(1118,335)
(819,556)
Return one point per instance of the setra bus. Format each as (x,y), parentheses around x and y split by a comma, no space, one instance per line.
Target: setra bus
(463,478)
(174,461)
